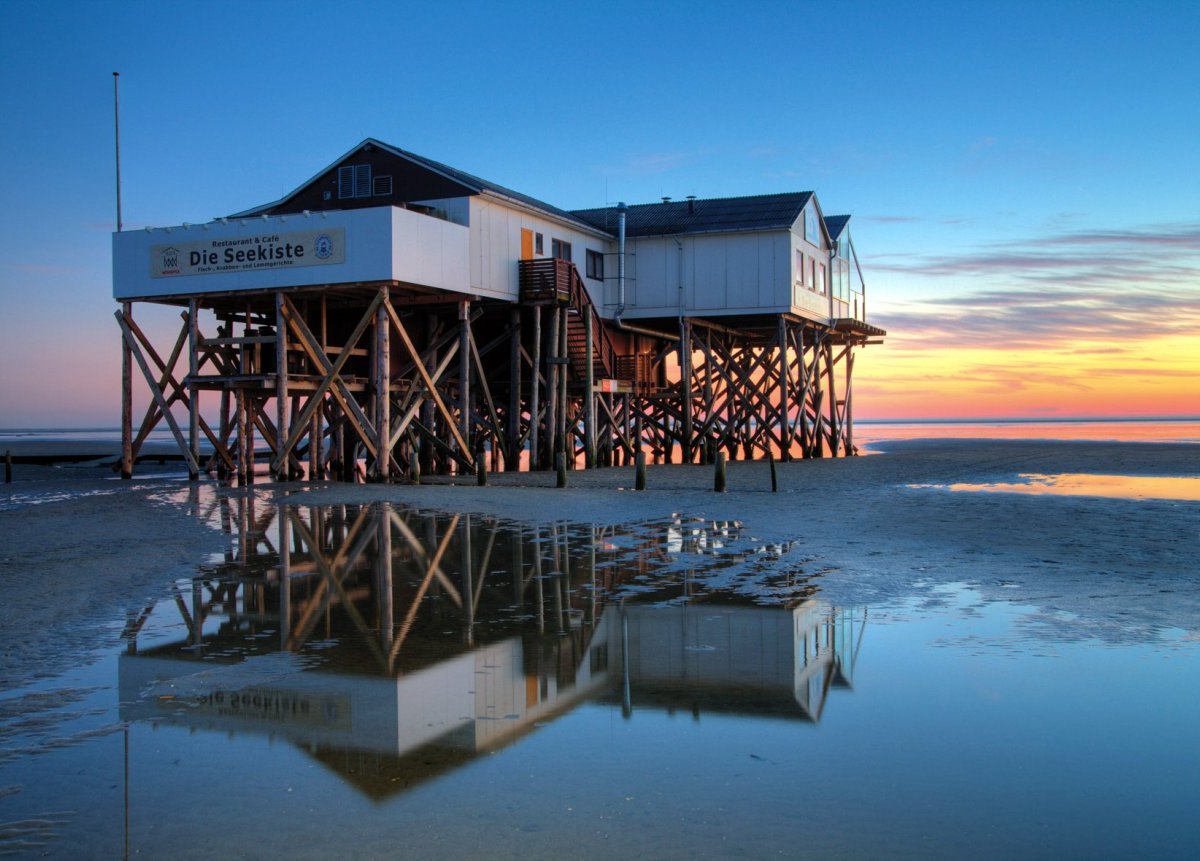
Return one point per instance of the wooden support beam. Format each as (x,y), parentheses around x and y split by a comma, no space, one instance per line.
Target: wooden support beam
(535,372)
(464,376)
(512,453)
(279,465)
(434,395)
(414,401)
(383,390)
(155,391)
(785,405)
(553,369)
(564,358)
(126,399)
(481,375)
(331,381)
(193,328)
(166,377)
(685,388)
(848,421)
(589,386)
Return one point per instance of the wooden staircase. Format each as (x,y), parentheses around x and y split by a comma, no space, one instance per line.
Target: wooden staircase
(552,281)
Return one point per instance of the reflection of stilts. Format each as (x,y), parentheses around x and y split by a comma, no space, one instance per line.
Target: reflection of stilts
(419,655)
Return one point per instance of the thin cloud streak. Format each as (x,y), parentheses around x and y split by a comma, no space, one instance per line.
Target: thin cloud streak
(1098,285)
(1164,253)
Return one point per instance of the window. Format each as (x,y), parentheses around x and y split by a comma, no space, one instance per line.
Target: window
(812,283)
(812,232)
(821,288)
(595,265)
(560,249)
(538,247)
(799,267)
(354,180)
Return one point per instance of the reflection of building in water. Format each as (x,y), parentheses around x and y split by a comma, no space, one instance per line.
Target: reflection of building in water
(767,661)
(392,645)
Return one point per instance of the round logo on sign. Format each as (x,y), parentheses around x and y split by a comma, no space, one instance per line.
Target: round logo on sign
(324,247)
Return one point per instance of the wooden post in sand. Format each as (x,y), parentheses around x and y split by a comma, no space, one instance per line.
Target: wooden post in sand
(719,474)
(552,369)
(534,387)
(639,480)
(589,405)
(126,400)
(383,392)
(193,336)
(280,466)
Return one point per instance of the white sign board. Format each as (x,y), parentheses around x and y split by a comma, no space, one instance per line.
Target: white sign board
(382,244)
(270,250)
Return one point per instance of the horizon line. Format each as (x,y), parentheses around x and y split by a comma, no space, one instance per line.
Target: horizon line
(860,421)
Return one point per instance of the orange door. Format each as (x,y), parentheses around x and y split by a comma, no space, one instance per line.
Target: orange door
(526,244)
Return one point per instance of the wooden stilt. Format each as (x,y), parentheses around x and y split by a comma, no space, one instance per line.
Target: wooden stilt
(685,370)
(156,393)
(512,455)
(535,371)
(279,465)
(785,401)
(464,375)
(383,391)
(552,370)
(564,444)
(849,422)
(126,399)
(193,327)
(589,393)
(427,409)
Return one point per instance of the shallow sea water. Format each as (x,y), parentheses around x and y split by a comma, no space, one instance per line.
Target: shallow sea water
(378,682)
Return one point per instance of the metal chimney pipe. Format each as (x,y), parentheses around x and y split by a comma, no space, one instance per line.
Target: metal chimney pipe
(621,258)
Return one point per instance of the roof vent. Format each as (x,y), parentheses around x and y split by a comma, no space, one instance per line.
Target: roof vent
(666,200)
(691,199)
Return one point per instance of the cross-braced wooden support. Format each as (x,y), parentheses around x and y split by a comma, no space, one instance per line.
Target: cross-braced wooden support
(353,392)
(751,394)
(381,385)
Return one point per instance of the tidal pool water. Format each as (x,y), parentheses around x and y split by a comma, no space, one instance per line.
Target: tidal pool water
(378,682)
(1173,487)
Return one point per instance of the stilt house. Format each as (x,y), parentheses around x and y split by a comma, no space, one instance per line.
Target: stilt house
(395,316)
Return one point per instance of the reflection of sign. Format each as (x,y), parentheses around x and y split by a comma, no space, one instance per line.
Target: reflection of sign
(275,706)
(247,253)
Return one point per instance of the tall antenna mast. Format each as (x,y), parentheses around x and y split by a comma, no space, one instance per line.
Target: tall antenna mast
(117,129)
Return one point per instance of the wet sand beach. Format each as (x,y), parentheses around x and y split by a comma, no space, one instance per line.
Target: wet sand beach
(79,546)
(1044,642)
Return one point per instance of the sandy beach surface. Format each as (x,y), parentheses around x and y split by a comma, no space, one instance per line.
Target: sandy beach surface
(79,549)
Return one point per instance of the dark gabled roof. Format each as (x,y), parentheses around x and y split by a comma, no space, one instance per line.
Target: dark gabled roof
(835,224)
(470,184)
(482,185)
(759,212)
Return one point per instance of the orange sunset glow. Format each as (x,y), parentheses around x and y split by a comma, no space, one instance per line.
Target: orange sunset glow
(912,378)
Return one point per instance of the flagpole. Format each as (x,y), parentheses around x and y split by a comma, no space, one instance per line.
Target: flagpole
(117,131)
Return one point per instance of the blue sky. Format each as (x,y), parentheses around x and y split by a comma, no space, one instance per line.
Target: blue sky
(984,149)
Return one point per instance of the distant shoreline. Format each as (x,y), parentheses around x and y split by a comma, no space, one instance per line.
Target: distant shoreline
(1013,420)
(46,449)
